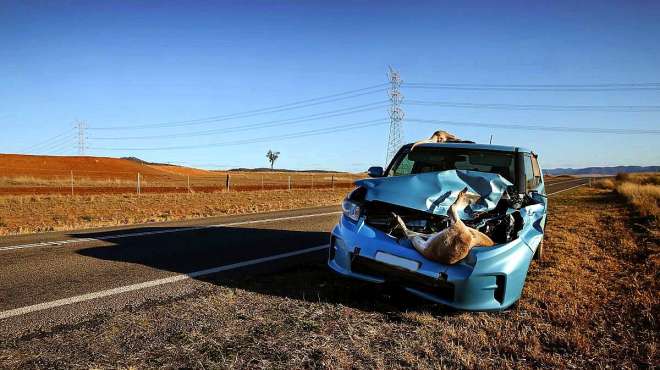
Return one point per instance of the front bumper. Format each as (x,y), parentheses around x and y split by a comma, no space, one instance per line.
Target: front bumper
(489,279)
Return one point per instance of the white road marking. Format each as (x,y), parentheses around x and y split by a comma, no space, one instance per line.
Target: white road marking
(148,284)
(156,232)
(563,190)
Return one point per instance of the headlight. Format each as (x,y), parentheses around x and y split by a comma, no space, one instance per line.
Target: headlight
(351,209)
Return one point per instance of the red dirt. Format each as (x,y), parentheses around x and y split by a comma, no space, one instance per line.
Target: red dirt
(12,165)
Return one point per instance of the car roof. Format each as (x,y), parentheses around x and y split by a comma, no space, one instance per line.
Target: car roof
(474,146)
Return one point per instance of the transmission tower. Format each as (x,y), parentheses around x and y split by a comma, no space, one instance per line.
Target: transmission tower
(396,114)
(80,125)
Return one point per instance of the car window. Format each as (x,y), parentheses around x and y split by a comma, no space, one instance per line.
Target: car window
(404,167)
(532,181)
(441,159)
(537,169)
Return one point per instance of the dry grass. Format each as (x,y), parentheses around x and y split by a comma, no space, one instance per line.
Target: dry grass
(652,178)
(603,184)
(642,190)
(215,179)
(593,303)
(645,198)
(64,181)
(41,213)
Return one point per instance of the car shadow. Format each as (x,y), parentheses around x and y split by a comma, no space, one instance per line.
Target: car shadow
(304,277)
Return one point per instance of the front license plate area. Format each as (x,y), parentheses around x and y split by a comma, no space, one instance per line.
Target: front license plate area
(397,261)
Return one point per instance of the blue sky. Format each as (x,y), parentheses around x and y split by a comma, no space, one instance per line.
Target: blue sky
(138,63)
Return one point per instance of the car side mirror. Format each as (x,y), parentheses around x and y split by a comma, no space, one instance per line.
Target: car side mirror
(375,172)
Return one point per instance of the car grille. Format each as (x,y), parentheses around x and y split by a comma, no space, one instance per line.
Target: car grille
(379,215)
(438,287)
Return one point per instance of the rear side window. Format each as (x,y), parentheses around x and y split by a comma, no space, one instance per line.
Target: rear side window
(536,168)
(532,173)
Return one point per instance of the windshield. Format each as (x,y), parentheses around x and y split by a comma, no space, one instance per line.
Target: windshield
(441,159)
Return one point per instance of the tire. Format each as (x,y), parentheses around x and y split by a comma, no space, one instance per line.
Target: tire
(538,255)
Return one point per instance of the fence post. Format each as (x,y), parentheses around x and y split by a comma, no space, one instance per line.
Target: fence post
(262,182)
(72,183)
(227,183)
(312,181)
(138,183)
(332,181)
(289,182)
(189,190)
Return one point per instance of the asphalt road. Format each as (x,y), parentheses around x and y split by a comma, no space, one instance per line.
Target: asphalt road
(55,279)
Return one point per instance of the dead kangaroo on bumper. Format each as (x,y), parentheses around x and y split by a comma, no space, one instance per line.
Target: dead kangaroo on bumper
(451,244)
(439,136)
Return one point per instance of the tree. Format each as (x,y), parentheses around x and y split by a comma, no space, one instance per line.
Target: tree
(272,157)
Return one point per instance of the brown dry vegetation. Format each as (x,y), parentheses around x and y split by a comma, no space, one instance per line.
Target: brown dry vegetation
(642,190)
(603,184)
(648,178)
(179,170)
(592,303)
(645,198)
(40,213)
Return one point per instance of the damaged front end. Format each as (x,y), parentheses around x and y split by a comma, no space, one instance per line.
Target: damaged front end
(367,245)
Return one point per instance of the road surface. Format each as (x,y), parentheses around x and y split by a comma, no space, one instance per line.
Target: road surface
(58,279)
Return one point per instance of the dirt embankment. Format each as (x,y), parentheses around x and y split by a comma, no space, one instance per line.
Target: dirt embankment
(592,303)
(16,165)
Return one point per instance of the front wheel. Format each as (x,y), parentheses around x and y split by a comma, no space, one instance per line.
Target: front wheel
(538,255)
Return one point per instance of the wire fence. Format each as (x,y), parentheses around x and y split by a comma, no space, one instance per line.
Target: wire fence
(46,181)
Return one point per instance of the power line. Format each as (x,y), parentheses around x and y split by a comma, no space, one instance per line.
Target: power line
(322,131)
(67,140)
(562,108)
(590,130)
(250,113)
(532,87)
(603,85)
(260,125)
(66,146)
(47,141)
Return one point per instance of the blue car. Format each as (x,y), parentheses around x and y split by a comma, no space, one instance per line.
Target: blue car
(420,184)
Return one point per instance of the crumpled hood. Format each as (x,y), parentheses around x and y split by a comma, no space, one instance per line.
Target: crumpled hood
(435,192)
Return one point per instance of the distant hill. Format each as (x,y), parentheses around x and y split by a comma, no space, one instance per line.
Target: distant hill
(87,166)
(168,167)
(138,160)
(601,170)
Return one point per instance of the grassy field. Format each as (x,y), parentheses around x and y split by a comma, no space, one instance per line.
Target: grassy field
(642,190)
(41,213)
(114,183)
(592,303)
